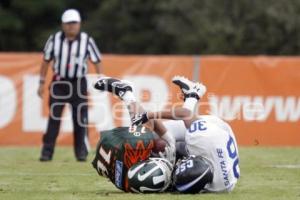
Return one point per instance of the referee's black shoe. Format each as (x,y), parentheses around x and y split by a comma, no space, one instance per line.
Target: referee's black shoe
(44,158)
(113,85)
(81,159)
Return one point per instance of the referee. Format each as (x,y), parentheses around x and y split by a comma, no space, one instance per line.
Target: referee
(69,50)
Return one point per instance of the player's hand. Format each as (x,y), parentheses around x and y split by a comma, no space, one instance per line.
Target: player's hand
(139,119)
(41,91)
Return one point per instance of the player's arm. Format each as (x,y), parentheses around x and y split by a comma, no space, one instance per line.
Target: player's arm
(135,109)
(98,67)
(160,129)
(43,73)
(47,58)
(174,114)
(170,149)
(163,132)
(94,54)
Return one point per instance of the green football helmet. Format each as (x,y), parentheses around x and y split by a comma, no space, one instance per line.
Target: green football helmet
(152,175)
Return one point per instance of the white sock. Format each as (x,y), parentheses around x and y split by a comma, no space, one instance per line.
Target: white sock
(128,98)
(190,103)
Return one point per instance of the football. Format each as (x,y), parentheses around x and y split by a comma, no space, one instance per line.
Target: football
(159,145)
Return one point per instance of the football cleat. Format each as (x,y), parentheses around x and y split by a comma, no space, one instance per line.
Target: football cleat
(189,88)
(112,85)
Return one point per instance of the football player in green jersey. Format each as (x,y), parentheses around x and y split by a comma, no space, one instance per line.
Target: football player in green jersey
(120,148)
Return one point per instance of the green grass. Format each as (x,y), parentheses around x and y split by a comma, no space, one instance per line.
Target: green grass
(264,175)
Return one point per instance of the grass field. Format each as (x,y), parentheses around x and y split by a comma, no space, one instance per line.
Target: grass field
(266,173)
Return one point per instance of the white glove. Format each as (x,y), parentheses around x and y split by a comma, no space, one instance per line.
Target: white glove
(139,119)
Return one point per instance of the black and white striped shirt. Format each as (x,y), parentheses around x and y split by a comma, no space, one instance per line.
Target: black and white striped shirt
(70,57)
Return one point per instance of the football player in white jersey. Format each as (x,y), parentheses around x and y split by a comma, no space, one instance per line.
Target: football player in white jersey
(205,135)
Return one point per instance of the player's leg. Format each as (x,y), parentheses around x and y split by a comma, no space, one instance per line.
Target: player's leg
(49,138)
(80,119)
(192,91)
(124,91)
(80,122)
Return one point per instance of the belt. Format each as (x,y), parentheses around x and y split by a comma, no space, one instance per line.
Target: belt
(59,78)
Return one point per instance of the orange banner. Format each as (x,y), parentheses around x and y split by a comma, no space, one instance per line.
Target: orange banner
(258,96)
(24,114)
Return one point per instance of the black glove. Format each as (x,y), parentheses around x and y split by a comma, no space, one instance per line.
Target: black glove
(139,119)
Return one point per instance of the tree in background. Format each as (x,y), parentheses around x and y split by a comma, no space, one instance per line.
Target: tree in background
(160,27)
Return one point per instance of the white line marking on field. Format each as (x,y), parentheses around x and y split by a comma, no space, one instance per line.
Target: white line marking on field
(297,166)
